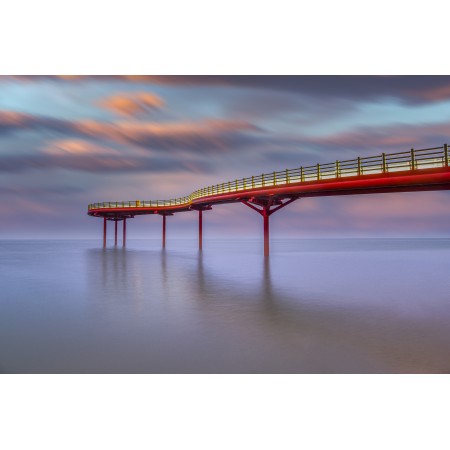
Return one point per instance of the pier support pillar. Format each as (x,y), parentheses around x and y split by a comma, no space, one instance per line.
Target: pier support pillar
(104,232)
(124,238)
(115,232)
(267,206)
(164,232)
(200,229)
(266,232)
(200,209)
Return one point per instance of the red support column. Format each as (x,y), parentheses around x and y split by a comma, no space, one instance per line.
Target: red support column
(267,208)
(164,232)
(115,232)
(200,229)
(124,239)
(104,232)
(266,231)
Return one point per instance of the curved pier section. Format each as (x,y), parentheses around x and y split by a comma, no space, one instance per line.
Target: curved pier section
(413,170)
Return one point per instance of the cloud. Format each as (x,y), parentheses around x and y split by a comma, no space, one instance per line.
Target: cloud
(11,121)
(132,104)
(78,147)
(434,93)
(383,139)
(99,163)
(402,207)
(406,88)
(86,156)
(201,136)
(34,191)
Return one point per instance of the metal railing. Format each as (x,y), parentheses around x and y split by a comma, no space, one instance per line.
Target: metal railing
(385,163)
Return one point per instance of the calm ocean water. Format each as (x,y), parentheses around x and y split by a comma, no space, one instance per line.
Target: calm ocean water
(317,306)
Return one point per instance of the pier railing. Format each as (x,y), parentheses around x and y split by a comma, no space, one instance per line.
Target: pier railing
(411,160)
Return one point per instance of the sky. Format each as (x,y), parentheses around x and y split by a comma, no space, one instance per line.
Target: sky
(67,141)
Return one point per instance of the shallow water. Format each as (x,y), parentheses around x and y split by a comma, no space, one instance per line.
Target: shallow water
(317,306)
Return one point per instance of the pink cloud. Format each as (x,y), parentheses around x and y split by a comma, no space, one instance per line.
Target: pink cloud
(132,104)
(78,147)
(203,135)
(411,89)
(433,93)
(398,206)
(385,139)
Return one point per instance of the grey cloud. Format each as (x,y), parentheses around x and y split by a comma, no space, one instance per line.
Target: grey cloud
(99,164)
(407,88)
(204,136)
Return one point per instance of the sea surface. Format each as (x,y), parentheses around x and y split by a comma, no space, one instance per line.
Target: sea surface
(314,306)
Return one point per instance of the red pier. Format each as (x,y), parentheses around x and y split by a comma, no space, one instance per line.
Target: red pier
(410,171)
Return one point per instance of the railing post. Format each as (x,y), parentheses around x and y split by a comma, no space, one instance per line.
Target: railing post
(301,174)
(413,160)
(262,179)
(318,172)
(253,182)
(446,155)
(384,163)
(337,169)
(359,166)
(237,186)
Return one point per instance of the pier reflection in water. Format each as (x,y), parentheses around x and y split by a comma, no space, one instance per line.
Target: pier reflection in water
(318,310)
(314,307)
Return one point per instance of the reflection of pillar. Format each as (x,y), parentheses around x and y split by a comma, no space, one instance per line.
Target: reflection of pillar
(164,232)
(104,232)
(266,231)
(124,239)
(200,229)
(115,232)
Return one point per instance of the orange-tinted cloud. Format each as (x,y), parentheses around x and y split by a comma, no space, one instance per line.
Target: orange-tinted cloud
(409,89)
(406,206)
(78,147)
(378,139)
(434,93)
(132,104)
(202,136)
(207,135)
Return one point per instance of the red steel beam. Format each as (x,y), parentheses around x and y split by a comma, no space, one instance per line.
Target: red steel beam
(439,179)
(423,180)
